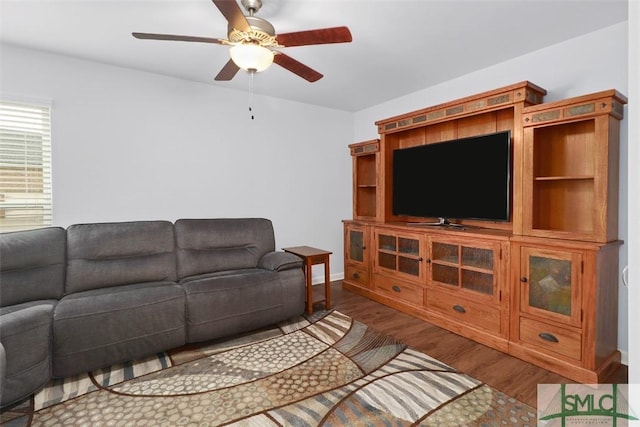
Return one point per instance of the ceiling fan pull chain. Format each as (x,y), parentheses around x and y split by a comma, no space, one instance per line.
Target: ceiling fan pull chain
(251,97)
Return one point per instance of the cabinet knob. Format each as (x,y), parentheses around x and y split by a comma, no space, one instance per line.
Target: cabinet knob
(428,260)
(395,288)
(364,247)
(356,275)
(548,337)
(523,279)
(459,308)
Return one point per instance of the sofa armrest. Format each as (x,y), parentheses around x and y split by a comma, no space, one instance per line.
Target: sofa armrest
(279,261)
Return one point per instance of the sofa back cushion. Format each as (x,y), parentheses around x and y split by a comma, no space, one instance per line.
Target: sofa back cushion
(210,245)
(119,253)
(32,265)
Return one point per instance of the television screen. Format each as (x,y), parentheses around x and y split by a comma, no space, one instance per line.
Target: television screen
(466,178)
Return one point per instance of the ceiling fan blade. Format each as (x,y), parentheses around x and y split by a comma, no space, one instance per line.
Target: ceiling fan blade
(319,36)
(232,13)
(296,67)
(173,37)
(228,71)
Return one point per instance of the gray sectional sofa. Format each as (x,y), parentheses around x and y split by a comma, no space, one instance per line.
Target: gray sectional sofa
(93,295)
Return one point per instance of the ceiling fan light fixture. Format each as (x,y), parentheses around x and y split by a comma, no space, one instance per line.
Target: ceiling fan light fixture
(251,57)
(254,43)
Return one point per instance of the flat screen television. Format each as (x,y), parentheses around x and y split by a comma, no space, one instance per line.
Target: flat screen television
(467,178)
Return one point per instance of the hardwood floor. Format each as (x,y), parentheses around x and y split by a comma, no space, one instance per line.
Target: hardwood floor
(512,376)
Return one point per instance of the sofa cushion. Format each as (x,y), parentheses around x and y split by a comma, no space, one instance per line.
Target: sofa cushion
(32,265)
(210,245)
(101,327)
(120,253)
(230,302)
(25,333)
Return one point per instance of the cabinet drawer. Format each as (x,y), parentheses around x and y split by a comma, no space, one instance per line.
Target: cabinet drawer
(399,289)
(356,275)
(560,340)
(478,314)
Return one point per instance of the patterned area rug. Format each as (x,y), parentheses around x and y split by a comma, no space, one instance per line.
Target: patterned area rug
(326,369)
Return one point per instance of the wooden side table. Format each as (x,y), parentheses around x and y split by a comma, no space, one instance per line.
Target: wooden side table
(312,256)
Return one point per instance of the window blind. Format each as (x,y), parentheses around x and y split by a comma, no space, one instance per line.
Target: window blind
(25,166)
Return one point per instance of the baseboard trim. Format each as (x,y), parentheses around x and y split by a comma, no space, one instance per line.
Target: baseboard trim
(319,280)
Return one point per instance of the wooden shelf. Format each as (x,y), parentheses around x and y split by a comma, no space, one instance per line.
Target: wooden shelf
(570,173)
(365,178)
(563,178)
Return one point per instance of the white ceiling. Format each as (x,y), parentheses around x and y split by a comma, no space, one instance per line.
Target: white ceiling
(399,46)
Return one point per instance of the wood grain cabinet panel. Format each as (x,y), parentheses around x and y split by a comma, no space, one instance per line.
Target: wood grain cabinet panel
(550,337)
(473,313)
(399,289)
(357,275)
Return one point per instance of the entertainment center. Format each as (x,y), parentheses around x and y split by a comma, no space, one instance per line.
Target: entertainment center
(533,271)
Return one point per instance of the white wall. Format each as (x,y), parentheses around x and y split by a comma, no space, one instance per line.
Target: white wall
(130,145)
(591,63)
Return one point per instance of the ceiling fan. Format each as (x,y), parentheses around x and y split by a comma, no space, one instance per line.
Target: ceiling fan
(254,42)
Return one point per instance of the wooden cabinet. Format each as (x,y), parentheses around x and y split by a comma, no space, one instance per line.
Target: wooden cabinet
(465,281)
(551,284)
(356,252)
(564,312)
(365,160)
(542,286)
(398,265)
(453,279)
(570,173)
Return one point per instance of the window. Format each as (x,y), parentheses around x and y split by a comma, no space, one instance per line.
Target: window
(25,166)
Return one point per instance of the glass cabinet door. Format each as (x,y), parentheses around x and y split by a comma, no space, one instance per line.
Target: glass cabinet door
(465,266)
(387,251)
(550,284)
(399,253)
(444,263)
(356,243)
(409,256)
(477,269)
